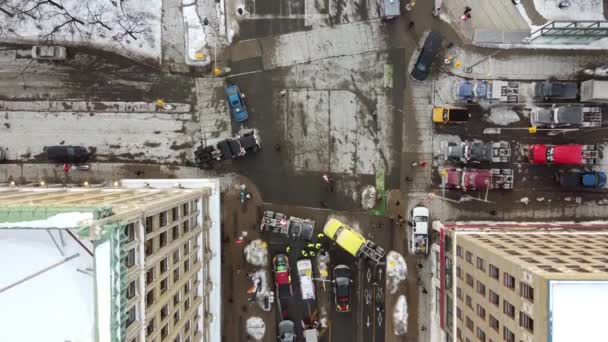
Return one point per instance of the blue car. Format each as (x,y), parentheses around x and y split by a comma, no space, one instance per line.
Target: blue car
(580,179)
(236,103)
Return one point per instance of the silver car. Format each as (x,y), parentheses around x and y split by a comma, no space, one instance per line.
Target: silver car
(52,53)
(287,331)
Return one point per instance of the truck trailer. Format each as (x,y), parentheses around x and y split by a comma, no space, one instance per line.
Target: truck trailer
(477,152)
(576,116)
(594,91)
(353,242)
(479,179)
(573,154)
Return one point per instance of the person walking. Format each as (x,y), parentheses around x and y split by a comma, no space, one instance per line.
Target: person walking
(410,26)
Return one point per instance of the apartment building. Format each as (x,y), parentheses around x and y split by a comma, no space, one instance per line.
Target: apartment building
(139,261)
(521,282)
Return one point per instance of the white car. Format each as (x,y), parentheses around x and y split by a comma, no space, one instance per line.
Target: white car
(54,53)
(307,287)
(419,237)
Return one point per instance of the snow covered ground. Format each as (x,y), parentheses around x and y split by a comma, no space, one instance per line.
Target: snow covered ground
(56,305)
(502,116)
(578,10)
(132,27)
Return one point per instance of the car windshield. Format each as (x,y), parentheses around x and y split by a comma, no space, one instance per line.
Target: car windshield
(421,219)
(342,288)
(420,66)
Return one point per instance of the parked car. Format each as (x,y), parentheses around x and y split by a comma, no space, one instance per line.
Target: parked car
(342,287)
(307,287)
(66,154)
(282,275)
(449,115)
(419,242)
(581,179)
(236,103)
(555,90)
(53,53)
(431,46)
(287,331)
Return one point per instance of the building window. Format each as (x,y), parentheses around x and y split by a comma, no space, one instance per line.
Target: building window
(481,335)
(185,209)
(175,275)
(149,224)
(176,256)
(469,301)
(481,288)
(163,285)
(459,334)
(494,323)
(131,290)
(130,258)
(177,339)
(507,334)
(481,312)
(187,288)
(175,233)
(459,293)
(459,272)
(164,312)
(508,309)
(187,304)
(186,248)
(459,251)
(150,276)
(469,323)
(509,281)
(150,298)
(162,239)
(187,326)
(130,232)
(526,322)
(526,291)
(459,313)
(150,327)
(494,298)
(185,227)
(437,296)
(176,299)
(481,264)
(186,265)
(493,270)
(469,280)
(163,218)
(174,214)
(149,247)
(176,317)
(469,257)
(164,331)
(164,265)
(131,316)
(448,311)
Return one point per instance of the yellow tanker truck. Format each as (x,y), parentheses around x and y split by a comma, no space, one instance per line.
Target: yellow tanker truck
(353,242)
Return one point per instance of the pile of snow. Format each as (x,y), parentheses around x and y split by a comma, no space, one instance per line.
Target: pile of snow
(264,296)
(578,9)
(396,270)
(131,27)
(197,51)
(502,116)
(369,197)
(256,253)
(400,316)
(256,328)
(63,220)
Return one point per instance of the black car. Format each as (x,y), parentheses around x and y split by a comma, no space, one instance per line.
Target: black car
(431,46)
(66,154)
(342,287)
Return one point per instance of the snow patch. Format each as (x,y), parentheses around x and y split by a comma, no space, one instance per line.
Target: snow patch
(502,117)
(578,10)
(63,220)
(522,11)
(400,316)
(197,52)
(256,328)
(256,253)
(396,270)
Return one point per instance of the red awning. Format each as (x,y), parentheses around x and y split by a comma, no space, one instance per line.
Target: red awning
(568,154)
(537,154)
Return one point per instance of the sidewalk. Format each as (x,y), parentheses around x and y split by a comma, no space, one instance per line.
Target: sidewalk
(92,106)
(519,65)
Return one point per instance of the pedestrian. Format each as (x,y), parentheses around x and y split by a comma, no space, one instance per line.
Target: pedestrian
(410,26)
(409,179)
(423,328)
(323,204)
(422,163)
(467,10)
(397,203)
(287,249)
(424,290)
(414,164)
(66,168)
(450,45)
(493,213)
(563,4)
(277,147)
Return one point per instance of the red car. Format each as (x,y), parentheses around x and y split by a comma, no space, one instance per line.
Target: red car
(282,275)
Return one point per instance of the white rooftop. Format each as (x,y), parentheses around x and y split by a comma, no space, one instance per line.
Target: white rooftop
(577,310)
(55,305)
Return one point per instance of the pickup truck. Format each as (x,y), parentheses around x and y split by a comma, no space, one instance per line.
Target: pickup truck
(227,149)
(450,115)
(573,154)
(566,116)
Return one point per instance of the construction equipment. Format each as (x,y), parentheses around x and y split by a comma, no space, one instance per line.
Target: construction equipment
(292,227)
(353,242)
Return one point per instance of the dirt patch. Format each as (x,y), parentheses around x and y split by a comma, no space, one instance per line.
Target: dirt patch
(151,144)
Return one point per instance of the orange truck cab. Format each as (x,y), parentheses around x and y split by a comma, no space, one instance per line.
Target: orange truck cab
(450,115)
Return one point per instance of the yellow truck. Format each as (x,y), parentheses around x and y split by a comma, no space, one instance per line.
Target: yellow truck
(450,115)
(353,242)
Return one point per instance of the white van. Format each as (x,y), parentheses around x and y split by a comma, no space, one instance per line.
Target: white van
(306,285)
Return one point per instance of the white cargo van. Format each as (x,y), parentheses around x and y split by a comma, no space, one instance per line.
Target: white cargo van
(306,285)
